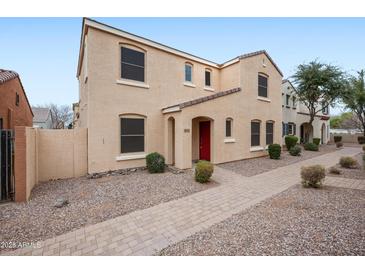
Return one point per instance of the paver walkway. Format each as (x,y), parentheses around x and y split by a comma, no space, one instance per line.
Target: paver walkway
(145,232)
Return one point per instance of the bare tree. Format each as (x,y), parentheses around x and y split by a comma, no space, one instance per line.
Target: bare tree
(61,115)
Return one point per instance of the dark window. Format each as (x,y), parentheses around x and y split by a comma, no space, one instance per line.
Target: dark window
(294,102)
(132,135)
(207,78)
(262,81)
(17,99)
(282,129)
(1,123)
(188,73)
(228,127)
(255,133)
(132,64)
(287,100)
(269,133)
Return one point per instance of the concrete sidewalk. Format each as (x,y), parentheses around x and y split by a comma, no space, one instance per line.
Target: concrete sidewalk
(144,232)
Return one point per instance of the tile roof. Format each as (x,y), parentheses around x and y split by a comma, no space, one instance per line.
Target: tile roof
(204,99)
(6,75)
(40,114)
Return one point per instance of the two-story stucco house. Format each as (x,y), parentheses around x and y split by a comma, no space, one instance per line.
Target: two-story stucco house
(296,117)
(138,96)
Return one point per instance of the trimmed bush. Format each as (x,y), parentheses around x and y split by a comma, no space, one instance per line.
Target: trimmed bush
(274,151)
(295,151)
(348,162)
(361,140)
(155,163)
(339,144)
(313,176)
(317,141)
(337,139)
(311,147)
(290,141)
(203,171)
(334,170)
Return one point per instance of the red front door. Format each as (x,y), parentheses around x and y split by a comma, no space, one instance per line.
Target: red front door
(204,140)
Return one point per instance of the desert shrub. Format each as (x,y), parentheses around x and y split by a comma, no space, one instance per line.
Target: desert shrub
(334,170)
(348,162)
(337,139)
(312,176)
(290,141)
(339,144)
(203,171)
(295,151)
(311,147)
(274,151)
(155,162)
(316,141)
(361,140)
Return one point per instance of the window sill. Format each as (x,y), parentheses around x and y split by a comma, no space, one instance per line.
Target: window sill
(133,84)
(229,140)
(264,99)
(190,85)
(209,89)
(257,148)
(126,157)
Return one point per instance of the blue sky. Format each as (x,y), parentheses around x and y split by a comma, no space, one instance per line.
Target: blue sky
(44,51)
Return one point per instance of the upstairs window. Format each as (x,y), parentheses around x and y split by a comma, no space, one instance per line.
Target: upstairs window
(207,78)
(255,133)
(294,102)
(133,62)
(132,134)
(17,99)
(269,132)
(188,73)
(262,81)
(229,127)
(287,101)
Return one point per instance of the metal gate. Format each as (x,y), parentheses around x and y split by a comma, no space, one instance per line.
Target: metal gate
(6,165)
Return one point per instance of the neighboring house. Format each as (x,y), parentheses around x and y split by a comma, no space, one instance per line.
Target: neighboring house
(42,118)
(296,117)
(137,96)
(14,106)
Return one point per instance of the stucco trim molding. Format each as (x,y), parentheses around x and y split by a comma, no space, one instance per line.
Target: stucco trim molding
(209,89)
(263,99)
(190,85)
(171,109)
(229,140)
(130,157)
(133,84)
(256,148)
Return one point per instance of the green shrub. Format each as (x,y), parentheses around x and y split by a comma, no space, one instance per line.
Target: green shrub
(313,176)
(274,151)
(311,147)
(348,162)
(203,171)
(295,151)
(317,141)
(155,163)
(337,139)
(290,141)
(339,144)
(334,170)
(361,140)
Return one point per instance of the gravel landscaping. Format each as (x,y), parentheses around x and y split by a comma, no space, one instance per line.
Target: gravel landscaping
(251,167)
(90,201)
(351,173)
(298,221)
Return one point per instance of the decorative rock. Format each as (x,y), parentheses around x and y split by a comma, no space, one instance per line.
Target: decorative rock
(61,202)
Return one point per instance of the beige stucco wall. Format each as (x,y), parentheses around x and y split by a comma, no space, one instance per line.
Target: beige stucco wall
(31,160)
(346,137)
(107,100)
(61,153)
